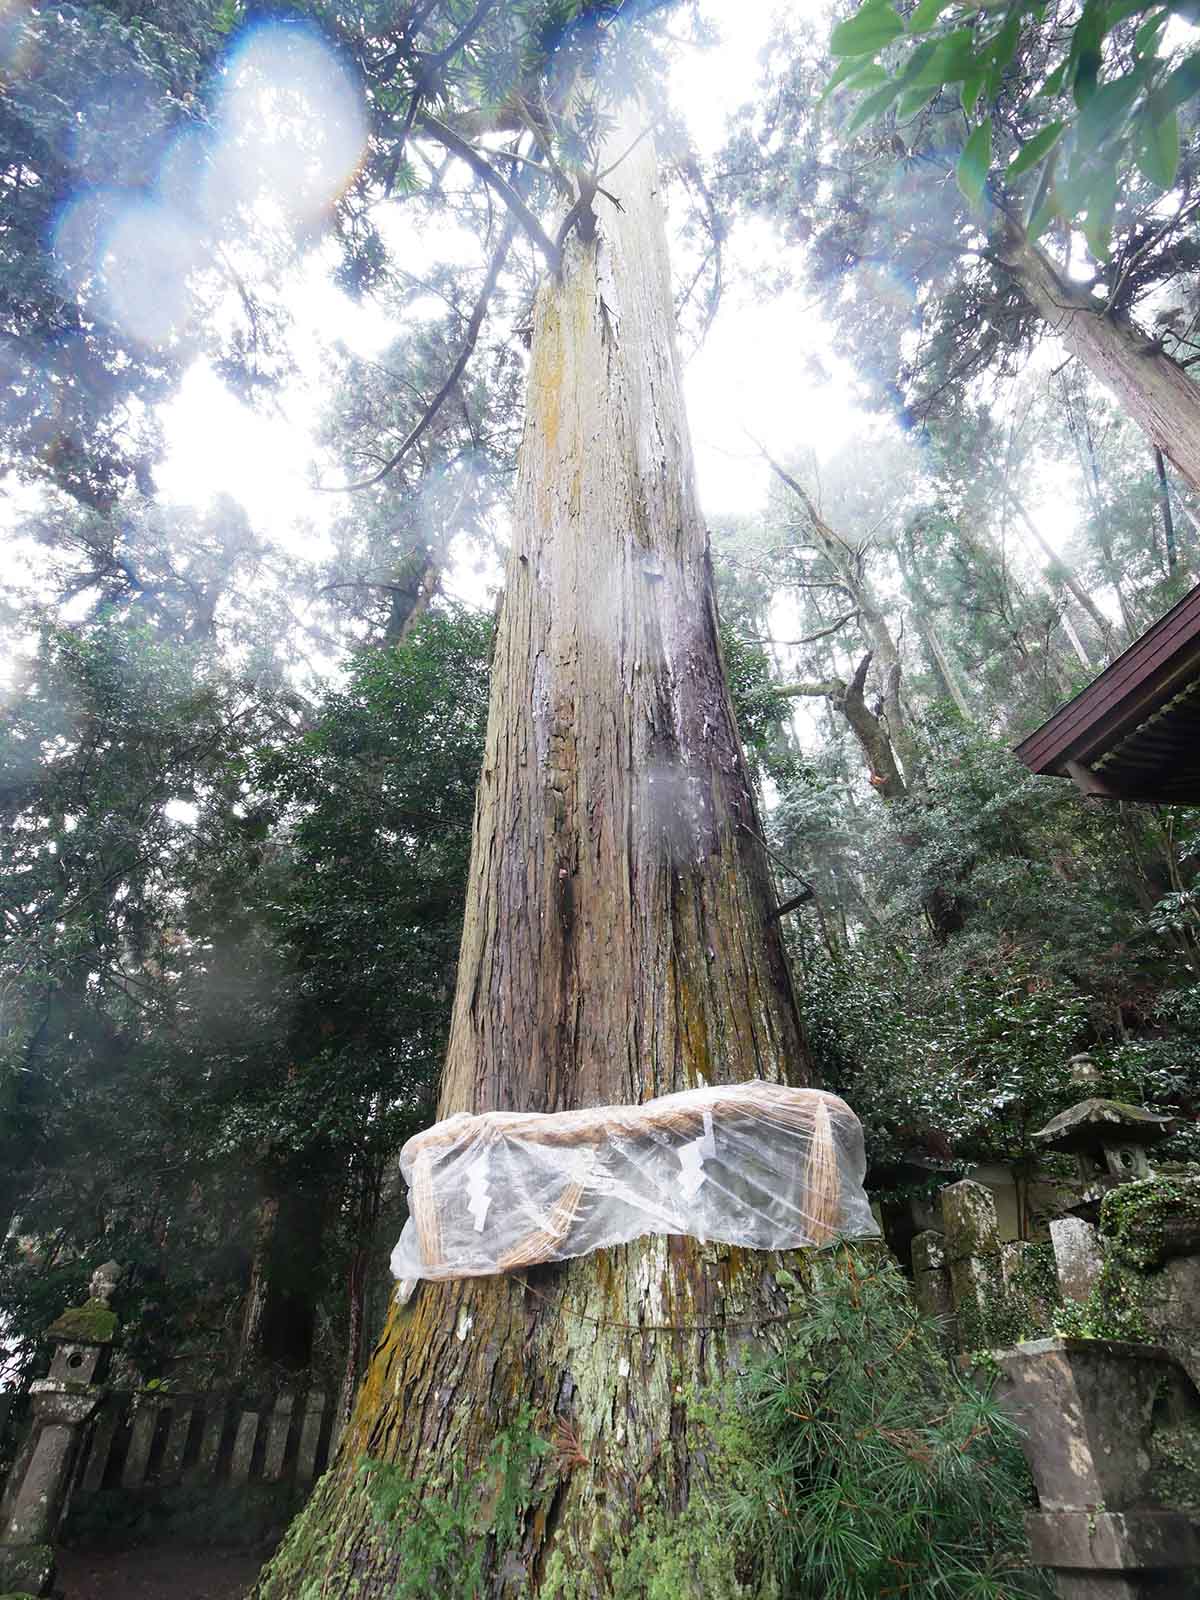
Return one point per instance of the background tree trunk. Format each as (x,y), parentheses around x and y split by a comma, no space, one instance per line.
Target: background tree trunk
(1153,389)
(616,946)
(266,1219)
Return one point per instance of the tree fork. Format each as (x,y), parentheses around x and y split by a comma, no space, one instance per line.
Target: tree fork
(1152,388)
(618,944)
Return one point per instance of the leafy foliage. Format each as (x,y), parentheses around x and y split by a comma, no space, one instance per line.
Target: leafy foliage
(915,275)
(959,1053)
(1109,99)
(202,1009)
(859,1459)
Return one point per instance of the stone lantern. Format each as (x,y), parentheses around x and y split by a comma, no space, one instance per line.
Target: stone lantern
(1084,1072)
(1109,1140)
(62,1404)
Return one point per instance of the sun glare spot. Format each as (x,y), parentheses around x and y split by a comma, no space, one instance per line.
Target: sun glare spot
(288,133)
(292,122)
(149,255)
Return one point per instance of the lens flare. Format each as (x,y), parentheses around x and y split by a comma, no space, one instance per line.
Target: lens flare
(183,172)
(74,241)
(287,135)
(120,135)
(129,260)
(291,122)
(149,256)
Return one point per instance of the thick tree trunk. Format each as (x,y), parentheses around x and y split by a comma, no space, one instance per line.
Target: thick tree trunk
(617,945)
(1153,389)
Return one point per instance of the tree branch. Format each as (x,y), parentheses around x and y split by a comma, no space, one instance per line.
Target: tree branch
(473,326)
(829,689)
(459,147)
(809,638)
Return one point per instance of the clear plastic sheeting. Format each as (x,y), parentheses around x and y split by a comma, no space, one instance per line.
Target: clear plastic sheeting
(752,1164)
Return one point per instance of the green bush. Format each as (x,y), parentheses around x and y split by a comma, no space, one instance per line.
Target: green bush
(246,1516)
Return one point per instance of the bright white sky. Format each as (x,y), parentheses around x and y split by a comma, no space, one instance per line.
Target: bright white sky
(750,375)
(754,375)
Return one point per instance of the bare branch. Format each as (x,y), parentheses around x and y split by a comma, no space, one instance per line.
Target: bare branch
(473,326)
(458,146)
(809,638)
(625,154)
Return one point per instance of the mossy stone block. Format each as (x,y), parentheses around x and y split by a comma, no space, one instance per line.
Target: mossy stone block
(91,1323)
(969,1219)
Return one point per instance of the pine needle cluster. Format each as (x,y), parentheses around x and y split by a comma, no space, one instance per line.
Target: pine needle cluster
(865,1466)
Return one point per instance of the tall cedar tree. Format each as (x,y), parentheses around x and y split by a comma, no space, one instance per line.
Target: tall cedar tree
(618,945)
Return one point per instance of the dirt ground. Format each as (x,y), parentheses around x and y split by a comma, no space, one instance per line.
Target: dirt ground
(149,1574)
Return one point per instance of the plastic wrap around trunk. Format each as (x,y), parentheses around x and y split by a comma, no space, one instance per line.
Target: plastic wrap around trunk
(752,1164)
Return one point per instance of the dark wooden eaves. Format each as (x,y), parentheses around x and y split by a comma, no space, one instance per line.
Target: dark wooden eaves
(1133,734)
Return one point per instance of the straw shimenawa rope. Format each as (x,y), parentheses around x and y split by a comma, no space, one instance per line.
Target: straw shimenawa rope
(815,1153)
(823,1179)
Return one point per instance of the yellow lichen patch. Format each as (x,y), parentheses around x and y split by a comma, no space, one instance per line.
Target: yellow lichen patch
(546,371)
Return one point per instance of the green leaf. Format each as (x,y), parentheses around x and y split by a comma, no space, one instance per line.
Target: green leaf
(856,73)
(1101,204)
(1099,236)
(1105,110)
(950,61)
(1156,146)
(848,68)
(1005,42)
(1043,216)
(914,100)
(1053,84)
(926,14)
(918,60)
(1032,152)
(1183,83)
(1146,38)
(974,162)
(1119,11)
(970,91)
(869,76)
(1083,62)
(1000,50)
(866,32)
(873,107)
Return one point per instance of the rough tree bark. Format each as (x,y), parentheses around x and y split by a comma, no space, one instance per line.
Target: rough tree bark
(1153,389)
(617,945)
(869,727)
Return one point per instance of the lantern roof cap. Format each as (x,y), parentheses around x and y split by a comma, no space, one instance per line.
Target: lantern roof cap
(1094,1123)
